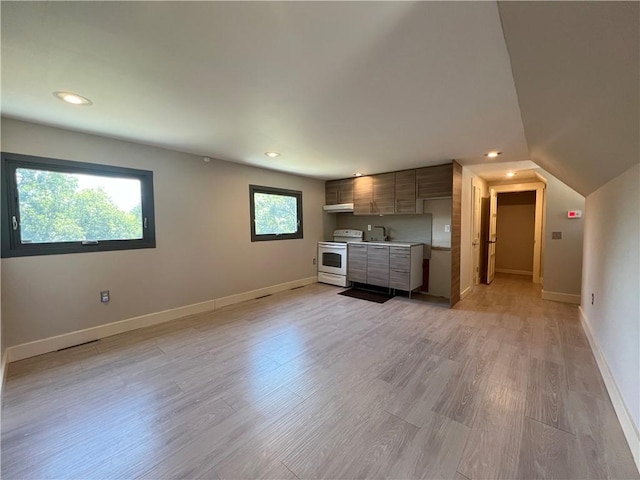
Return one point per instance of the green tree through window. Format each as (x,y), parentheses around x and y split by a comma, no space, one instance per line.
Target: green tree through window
(54,208)
(276,213)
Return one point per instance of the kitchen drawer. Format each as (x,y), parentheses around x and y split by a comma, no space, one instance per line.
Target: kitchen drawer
(400,262)
(378,255)
(358,252)
(399,279)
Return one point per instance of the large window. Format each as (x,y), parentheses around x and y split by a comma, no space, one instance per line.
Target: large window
(55,206)
(276,214)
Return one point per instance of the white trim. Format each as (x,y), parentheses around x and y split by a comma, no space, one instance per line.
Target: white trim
(514,272)
(4,362)
(38,347)
(465,292)
(539,188)
(561,297)
(629,428)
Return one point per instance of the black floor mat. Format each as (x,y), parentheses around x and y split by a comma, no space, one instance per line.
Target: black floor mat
(366,295)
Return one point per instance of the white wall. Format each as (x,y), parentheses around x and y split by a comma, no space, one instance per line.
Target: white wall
(440,210)
(611,269)
(203,240)
(562,267)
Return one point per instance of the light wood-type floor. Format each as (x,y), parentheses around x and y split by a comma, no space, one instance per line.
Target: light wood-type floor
(311,384)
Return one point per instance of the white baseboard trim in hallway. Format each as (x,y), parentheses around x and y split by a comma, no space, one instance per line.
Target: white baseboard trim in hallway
(561,297)
(4,362)
(51,344)
(465,292)
(626,421)
(514,272)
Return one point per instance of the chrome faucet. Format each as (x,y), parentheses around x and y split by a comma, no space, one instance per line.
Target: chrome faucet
(384,232)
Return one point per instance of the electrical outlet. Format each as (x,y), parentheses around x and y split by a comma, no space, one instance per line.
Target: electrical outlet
(314,261)
(368,228)
(593,297)
(556,235)
(447,228)
(104,296)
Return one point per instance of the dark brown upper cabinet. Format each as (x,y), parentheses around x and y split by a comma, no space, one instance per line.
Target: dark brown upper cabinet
(405,192)
(435,182)
(392,193)
(384,191)
(339,191)
(374,194)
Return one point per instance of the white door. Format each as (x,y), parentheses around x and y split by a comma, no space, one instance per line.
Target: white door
(491,247)
(475,242)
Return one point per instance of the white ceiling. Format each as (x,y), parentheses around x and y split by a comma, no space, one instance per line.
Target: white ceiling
(336,87)
(524,171)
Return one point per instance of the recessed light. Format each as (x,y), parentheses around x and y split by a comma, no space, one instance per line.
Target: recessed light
(511,174)
(492,154)
(357,174)
(73,98)
(272,154)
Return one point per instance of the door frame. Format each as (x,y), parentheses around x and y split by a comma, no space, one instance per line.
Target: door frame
(476,227)
(539,188)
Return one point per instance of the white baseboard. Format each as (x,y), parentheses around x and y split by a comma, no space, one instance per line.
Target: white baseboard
(514,272)
(465,292)
(51,344)
(561,297)
(629,428)
(4,363)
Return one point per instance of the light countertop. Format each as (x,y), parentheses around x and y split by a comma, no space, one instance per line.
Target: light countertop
(395,244)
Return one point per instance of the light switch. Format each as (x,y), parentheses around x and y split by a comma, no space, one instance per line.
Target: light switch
(447,228)
(556,235)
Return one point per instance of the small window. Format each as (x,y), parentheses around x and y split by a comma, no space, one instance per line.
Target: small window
(55,206)
(276,214)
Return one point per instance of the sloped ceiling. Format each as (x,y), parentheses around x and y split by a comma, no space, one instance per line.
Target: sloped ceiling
(338,87)
(576,71)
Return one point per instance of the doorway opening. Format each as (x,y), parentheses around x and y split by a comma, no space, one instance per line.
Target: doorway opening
(519,251)
(515,230)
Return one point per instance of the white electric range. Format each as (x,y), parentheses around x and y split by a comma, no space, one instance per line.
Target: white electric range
(332,257)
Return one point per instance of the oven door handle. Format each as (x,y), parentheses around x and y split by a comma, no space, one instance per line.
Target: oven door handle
(333,247)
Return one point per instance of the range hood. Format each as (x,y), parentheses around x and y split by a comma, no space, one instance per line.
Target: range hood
(340,207)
